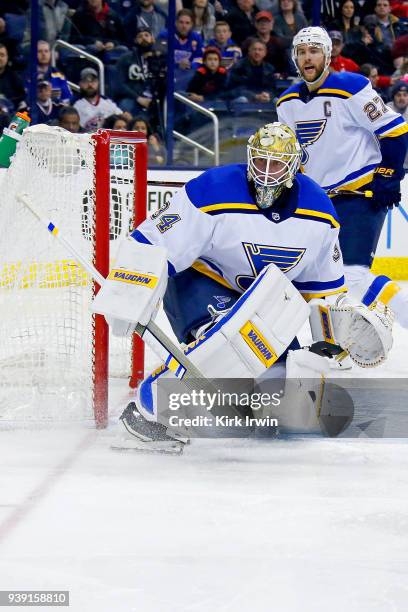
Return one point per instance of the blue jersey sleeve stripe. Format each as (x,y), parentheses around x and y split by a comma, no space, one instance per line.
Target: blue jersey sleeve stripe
(390,126)
(139,237)
(350,177)
(319,285)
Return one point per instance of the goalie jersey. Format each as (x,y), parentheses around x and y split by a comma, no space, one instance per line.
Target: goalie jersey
(214,225)
(343,120)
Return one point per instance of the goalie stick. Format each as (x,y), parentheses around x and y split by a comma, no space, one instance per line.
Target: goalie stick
(171,354)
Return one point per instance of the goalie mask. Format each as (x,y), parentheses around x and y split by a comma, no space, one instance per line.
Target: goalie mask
(312,37)
(273,160)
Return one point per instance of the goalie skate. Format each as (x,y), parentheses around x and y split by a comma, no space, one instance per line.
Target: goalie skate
(145,436)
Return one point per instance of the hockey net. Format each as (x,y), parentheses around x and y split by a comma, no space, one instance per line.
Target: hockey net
(55,359)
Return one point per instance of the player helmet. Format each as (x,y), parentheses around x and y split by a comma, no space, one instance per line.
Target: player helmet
(273,160)
(314,37)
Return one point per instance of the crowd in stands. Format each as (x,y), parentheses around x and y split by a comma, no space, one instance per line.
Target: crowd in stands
(227,53)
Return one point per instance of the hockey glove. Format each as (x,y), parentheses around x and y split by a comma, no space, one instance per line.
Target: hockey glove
(386,188)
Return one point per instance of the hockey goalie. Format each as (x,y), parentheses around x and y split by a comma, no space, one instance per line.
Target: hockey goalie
(242,256)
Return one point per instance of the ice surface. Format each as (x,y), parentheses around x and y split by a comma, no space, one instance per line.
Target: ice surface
(230,526)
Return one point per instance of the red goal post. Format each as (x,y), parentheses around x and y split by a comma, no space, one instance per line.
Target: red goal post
(104,141)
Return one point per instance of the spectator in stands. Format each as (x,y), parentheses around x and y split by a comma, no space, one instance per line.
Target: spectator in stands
(399,50)
(188,45)
(47,110)
(61,92)
(204,19)
(69,119)
(289,20)
(347,21)
(401,74)
(209,81)
(146,13)
(252,79)
(242,20)
(277,47)
(97,28)
(91,106)
(11,84)
(6,37)
(399,103)
(368,51)
(380,83)
(230,52)
(399,97)
(54,22)
(272,6)
(116,122)
(338,62)
(383,26)
(119,156)
(140,74)
(157,152)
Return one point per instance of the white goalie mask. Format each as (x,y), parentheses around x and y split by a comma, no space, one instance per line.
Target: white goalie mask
(273,160)
(313,37)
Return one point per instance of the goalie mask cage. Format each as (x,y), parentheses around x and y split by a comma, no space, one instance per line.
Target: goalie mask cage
(55,355)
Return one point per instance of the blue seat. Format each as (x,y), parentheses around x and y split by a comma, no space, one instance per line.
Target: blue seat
(15,26)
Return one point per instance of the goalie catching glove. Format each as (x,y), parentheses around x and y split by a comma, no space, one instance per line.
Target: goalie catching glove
(365,333)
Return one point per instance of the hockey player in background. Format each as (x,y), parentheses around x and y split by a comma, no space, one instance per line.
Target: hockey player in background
(246,246)
(354,148)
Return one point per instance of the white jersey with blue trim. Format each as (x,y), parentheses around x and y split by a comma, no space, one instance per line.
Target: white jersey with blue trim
(338,127)
(214,225)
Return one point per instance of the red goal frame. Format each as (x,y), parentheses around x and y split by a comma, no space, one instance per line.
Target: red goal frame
(103,140)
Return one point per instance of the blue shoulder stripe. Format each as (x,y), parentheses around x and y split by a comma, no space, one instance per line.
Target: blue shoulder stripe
(220,189)
(303,213)
(291,93)
(320,206)
(222,209)
(347,83)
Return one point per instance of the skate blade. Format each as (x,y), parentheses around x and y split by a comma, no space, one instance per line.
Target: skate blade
(163,447)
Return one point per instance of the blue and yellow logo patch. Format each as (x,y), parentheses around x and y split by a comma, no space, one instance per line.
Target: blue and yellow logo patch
(134,278)
(258,344)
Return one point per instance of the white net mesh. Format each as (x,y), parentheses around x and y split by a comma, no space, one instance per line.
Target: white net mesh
(46,328)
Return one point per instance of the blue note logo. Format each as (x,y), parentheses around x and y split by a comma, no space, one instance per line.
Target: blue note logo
(222,301)
(261,255)
(307,133)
